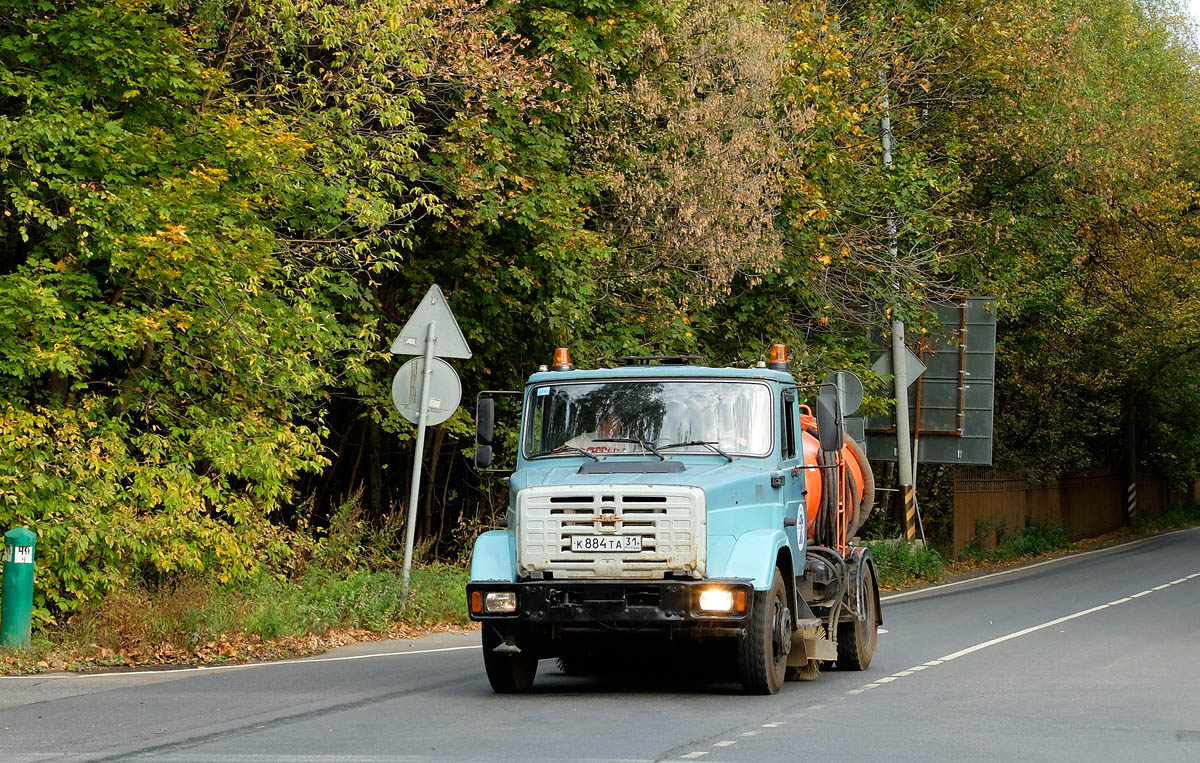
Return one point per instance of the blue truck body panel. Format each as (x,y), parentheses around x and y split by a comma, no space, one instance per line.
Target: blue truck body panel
(495,557)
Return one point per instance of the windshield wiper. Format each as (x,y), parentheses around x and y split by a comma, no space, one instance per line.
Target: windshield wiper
(705,443)
(635,441)
(564,446)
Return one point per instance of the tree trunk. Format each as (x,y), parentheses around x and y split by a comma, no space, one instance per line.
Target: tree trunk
(376,473)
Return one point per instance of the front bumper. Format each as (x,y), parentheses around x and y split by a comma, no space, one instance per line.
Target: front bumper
(615,602)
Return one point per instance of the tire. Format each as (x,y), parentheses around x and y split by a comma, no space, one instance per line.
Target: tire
(856,640)
(508,673)
(762,654)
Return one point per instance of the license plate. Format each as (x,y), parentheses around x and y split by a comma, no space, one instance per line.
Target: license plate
(590,543)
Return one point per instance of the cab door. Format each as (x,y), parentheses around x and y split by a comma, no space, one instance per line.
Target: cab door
(792,460)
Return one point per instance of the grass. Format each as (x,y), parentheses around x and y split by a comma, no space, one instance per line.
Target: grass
(267,616)
(361,599)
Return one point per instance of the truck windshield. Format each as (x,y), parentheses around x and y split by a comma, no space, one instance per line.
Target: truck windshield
(734,416)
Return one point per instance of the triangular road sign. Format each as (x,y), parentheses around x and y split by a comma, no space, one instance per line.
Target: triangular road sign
(433,309)
(913,366)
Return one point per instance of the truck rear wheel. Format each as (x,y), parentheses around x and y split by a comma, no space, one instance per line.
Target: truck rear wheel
(856,640)
(508,673)
(762,654)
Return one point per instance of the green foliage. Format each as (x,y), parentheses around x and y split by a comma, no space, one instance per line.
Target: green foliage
(1177,517)
(1032,540)
(900,563)
(1029,541)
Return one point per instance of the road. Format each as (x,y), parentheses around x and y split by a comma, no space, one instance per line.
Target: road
(1091,657)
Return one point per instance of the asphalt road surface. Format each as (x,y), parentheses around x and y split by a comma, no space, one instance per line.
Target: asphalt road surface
(1094,657)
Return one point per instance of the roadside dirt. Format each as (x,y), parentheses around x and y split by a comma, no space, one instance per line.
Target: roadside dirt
(231,649)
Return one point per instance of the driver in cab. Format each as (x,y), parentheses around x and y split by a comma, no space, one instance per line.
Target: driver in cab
(594,442)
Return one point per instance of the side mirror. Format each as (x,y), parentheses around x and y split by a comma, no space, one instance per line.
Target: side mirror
(829,423)
(492,447)
(485,421)
(485,430)
(483,456)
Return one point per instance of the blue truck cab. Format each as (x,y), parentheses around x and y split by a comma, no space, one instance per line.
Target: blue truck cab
(660,502)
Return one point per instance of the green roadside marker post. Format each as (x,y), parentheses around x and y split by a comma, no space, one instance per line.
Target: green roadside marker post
(16,596)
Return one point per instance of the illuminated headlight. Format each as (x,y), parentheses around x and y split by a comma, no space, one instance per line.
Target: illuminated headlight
(500,601)
(716,600)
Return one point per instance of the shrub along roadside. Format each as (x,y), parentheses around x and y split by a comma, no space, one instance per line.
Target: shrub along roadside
(1184,516)
(901,564)
(1029,541)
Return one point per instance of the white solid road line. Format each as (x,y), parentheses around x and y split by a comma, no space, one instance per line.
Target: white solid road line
(298,661)
(1056,560)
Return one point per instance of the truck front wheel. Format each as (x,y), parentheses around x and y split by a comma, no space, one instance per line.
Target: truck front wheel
(508,673)
(762,654)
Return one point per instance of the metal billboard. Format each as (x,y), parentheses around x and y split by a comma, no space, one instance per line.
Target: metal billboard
(951,403)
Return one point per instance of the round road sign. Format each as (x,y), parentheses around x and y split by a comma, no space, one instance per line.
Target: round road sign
(445,391)
(850,387)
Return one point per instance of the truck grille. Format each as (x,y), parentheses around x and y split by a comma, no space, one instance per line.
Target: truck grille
(670,521)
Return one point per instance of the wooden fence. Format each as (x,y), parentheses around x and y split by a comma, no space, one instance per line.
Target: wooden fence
(993,502)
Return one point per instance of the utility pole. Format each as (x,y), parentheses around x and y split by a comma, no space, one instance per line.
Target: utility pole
(904,456)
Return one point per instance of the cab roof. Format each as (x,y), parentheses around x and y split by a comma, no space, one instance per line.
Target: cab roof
(660,372)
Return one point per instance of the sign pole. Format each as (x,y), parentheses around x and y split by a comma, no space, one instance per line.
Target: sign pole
(418,456)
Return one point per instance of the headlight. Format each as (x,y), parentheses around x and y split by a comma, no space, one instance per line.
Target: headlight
(716,600)
(500,601)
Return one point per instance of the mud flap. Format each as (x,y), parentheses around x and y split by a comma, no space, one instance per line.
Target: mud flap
(859,559)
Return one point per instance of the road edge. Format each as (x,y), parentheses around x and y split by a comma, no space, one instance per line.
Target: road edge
(927,588)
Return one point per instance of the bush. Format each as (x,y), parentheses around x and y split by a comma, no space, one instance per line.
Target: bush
(1032,540)
(1180,516)
(900,563)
